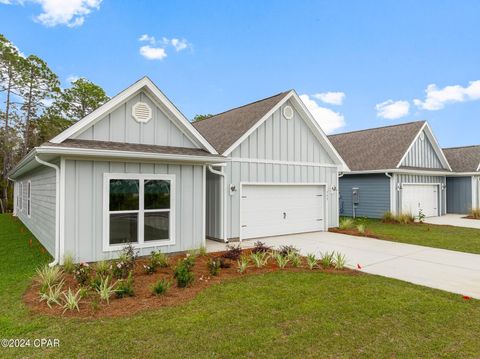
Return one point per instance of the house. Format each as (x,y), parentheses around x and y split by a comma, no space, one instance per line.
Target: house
(136,170)
(463,187)
(398,169)
(281,173)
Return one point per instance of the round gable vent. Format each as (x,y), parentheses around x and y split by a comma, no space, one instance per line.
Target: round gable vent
(142,112)
(422,136)
(288,112)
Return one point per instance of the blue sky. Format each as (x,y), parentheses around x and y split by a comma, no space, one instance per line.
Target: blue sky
(359,64)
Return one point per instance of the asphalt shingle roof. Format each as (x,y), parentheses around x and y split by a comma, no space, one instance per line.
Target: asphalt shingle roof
(376,148)
(463,159)
(223,129)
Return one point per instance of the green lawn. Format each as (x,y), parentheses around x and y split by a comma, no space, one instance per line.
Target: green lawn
(430,235)
(280,315)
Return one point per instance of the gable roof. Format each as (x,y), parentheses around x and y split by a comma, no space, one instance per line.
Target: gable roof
(223,129)
(464,159)
(381,148)
(229,129)
(148,86)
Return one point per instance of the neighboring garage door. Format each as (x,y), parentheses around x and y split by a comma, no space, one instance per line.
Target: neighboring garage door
(420,196)
(270,210)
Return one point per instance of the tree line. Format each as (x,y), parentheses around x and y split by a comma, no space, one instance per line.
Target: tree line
(34,108)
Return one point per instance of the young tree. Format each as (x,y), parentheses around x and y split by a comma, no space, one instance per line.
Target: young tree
(200,117)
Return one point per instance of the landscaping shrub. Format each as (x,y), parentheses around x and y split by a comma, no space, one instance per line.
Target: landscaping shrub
(102,268)
(339,260)
(161,286)
(202,251)
(421,215)
(71,300)
(233,252)
(288,250)
(295,258)
(120,268)
(124,287)
(48,276)
(242,264)
(128,256)
(214,266)
(474,213)
(159,259)
(82,273)
(105,290)
(96,281)
(68,264)
(346,223)
(260,247)
(311,261)
(183,272)
(224,262)
(282,260)
(405,218)
(52,294)
(327,259)
(388,217)
(361,228)
(259,258)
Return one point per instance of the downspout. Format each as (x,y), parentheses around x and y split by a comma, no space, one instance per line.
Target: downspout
(56,259)
(392,192)
(223,202)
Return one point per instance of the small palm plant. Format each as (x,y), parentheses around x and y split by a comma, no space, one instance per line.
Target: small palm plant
(339,261)
(327,259)
(242,264)
(71,300)
(260,259)
(295,258)
(52,295)
(311,261)
(105,289)
(48,276)
(281,259)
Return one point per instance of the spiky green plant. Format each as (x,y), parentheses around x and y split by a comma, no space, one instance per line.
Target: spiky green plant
(280,259)
(68,263)
(53,294)
(361,228)
(339,260)
(242,264)
(311,261)
(48,276)
(327,259)
(295,258)
(102,268)
(71,300)
(105,289)
(161,286)
(202,251)
(346,223)
(259,259)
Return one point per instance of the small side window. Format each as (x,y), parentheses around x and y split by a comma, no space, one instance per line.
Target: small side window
(29,198)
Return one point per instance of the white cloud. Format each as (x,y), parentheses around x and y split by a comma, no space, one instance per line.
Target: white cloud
(332,98)
(61,12)
(72,78)
(179,44)
(328,120)
(147,38)
(153,53)
(392,110)
(436,98)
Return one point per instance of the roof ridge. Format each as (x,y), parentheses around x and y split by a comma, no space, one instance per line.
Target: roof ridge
(247,104)
(377,128)
(459,147)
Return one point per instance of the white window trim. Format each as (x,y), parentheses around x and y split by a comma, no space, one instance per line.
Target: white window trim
(107,247)
(29,199)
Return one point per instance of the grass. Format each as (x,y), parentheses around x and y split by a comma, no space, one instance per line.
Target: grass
(311,314)
(430,235)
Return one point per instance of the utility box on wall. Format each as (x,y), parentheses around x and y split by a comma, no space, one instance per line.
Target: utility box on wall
(355,195)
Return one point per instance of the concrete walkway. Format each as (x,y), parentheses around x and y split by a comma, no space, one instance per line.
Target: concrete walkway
(456,220)
(455,272)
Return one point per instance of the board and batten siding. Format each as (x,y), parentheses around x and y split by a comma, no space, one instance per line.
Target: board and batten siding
(422,155)
(475,191)
(400,179)
(120,126)
(84,206)
(374,195)
(43,197)
(459,194)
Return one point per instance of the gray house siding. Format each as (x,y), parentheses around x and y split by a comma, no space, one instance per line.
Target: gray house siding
(400,179)
(84,206)
(459,194)
(43,196)
(120,126)
(422,155)
(374,195)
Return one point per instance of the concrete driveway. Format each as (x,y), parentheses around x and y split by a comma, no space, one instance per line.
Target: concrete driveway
(455,272)
(456,220)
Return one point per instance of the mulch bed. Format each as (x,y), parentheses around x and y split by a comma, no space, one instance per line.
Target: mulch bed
(471,217)
(355,232)
(144,299)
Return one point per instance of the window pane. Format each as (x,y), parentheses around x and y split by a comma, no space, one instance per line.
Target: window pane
(157,226)
(123,195)
(157,194)
(123,228)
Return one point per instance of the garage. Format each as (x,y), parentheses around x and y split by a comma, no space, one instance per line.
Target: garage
(276,209)
(416,197)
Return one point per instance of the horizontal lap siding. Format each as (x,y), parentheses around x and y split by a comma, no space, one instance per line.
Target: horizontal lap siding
(84,206)
(374,195)
(459,194)
(400,179)
(43,196)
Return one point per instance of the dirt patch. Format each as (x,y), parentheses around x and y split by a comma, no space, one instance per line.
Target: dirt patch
(355,232)
(92,307)
(471,217)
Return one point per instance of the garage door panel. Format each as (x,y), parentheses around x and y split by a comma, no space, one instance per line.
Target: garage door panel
(416,197)
(268,210)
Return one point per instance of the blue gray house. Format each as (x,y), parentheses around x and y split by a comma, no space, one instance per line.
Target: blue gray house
(463,187)
(398,168)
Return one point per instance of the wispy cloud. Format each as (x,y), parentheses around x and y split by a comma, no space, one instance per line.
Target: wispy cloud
(72,78)
(328,120)
(157,49)
(332,98)
(71,13)
(392,110)
(436,98)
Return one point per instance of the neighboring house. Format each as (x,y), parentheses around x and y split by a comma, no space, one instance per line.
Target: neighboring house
(398,168)
(281,176)
(134,170)
(463,187)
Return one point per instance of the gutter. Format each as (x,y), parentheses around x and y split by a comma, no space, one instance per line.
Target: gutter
(223,202)
(56,259)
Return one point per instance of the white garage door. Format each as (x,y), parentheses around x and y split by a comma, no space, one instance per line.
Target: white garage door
(269,210)
(416,197)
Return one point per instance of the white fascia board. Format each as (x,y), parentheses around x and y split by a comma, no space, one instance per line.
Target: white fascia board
(117,100)
(404,171)
(431,137)
(70,151)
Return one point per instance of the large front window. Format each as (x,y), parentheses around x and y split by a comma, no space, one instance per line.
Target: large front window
(139,209)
